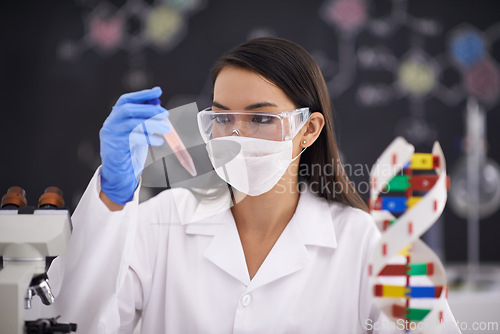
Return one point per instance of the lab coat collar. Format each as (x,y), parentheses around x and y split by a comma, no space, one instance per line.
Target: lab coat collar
(314,219)
(311,225)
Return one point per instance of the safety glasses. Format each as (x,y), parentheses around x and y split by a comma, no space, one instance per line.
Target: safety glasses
(277,126)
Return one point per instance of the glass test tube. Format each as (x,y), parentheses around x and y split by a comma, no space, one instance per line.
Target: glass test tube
(179,149)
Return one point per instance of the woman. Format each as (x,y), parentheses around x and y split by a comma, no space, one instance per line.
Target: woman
(289,256)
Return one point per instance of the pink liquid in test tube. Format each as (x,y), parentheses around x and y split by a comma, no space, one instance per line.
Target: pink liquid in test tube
(180,151)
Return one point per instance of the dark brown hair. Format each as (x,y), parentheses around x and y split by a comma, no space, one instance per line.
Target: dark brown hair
(293,69)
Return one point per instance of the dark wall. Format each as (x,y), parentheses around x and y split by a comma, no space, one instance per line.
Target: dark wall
(57,86)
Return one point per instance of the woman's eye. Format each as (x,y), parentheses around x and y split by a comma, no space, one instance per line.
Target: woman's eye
(221,118)
(262,119)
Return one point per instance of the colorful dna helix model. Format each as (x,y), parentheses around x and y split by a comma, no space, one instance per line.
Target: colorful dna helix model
(408,194)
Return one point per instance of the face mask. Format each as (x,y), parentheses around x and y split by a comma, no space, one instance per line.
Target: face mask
(252,166)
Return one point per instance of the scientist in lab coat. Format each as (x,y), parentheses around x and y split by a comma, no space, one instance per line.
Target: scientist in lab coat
(289,252)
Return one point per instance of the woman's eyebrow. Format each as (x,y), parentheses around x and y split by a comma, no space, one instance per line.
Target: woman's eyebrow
(250,107)
(260,105)
(218,105)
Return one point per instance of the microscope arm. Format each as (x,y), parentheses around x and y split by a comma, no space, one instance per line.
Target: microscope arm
(15,277)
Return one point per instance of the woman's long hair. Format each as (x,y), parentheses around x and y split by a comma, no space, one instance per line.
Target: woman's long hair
(293,69)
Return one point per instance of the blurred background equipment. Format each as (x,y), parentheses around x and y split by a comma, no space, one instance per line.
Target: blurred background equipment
(475,164)
(29,237)
(475,185)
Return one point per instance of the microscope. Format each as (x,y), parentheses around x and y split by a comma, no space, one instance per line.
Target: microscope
(29,237)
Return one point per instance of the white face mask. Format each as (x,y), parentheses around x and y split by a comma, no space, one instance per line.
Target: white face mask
(252,166)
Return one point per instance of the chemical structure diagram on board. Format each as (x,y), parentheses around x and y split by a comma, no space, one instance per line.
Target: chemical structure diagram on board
(131,27)
(416,75)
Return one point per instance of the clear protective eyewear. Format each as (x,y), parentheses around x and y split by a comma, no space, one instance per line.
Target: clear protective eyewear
(277,126)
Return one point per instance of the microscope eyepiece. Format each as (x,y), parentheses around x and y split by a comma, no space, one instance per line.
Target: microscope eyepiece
(51,198)
(14,198)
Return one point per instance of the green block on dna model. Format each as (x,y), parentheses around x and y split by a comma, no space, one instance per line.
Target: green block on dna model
(398,183)
(418,269)
(416,314)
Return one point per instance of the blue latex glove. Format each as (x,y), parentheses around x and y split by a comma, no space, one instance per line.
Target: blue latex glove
(124,142)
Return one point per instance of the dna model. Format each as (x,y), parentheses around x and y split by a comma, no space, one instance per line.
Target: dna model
(408,194)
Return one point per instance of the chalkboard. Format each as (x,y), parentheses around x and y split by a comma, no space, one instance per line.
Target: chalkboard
(393,67)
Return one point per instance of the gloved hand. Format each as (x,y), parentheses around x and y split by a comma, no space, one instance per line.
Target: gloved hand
(124,142)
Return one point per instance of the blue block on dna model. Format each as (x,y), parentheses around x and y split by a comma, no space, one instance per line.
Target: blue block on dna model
(394,204)
(421,292)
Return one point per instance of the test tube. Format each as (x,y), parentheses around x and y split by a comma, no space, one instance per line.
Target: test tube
(180,151)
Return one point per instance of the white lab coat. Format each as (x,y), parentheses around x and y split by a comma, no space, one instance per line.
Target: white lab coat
(145,261)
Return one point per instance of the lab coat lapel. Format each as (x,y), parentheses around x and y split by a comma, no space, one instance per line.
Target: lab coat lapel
(314,220)
(225,250)
(311,225)
(288,255)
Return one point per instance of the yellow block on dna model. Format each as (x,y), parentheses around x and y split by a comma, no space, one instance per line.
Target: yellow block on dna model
(422,161)
(394,291)
(405,251)
(412,201)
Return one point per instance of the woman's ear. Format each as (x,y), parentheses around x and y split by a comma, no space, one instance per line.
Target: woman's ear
(313,129)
